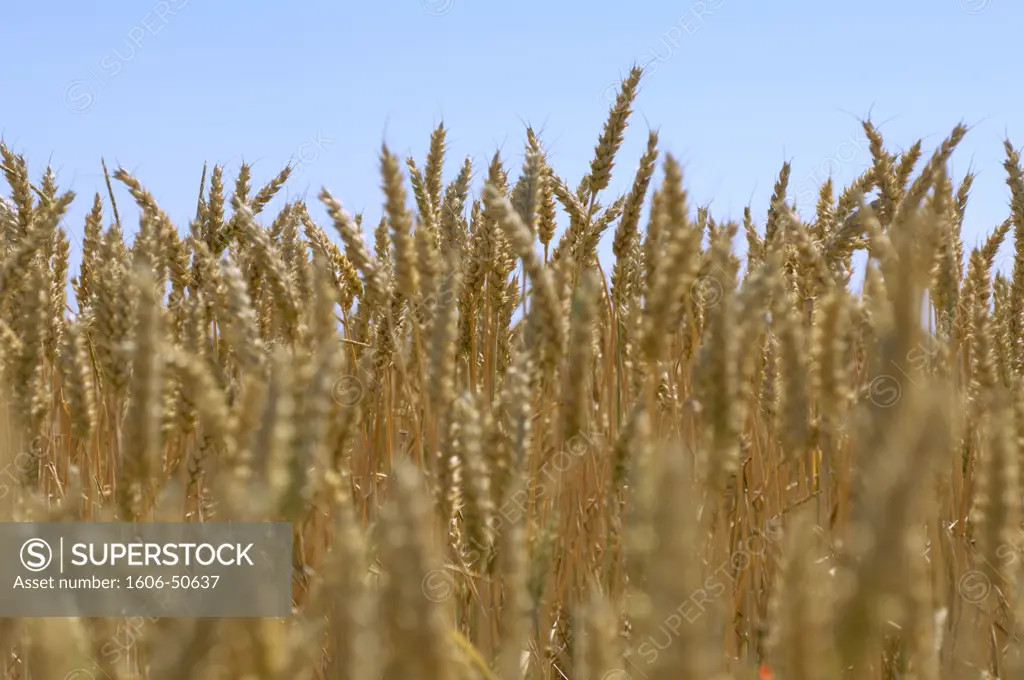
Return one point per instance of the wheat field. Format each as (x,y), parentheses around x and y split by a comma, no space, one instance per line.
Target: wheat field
(502,459)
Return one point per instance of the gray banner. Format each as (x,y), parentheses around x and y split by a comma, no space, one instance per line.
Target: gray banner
(173,569)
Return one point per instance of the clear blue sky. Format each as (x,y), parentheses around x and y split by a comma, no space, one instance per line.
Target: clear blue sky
(736,87)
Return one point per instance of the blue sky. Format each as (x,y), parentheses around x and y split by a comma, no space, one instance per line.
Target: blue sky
(735,87)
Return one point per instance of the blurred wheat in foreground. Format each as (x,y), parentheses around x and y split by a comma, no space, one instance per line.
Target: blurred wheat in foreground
(501,460)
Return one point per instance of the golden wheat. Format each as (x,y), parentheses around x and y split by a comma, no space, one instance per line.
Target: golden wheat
(500,463)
